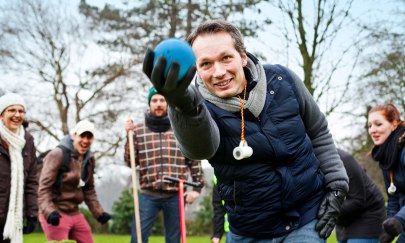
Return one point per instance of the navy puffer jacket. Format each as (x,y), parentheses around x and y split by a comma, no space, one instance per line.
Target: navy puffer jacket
(279,188)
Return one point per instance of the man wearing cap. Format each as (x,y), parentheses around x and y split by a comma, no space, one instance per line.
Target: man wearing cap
(59,202)
(157,154)
(18,180)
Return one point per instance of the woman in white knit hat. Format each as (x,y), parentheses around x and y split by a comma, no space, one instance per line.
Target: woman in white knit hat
(18,179)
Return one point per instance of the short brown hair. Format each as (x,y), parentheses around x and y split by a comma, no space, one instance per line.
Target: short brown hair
(217,26)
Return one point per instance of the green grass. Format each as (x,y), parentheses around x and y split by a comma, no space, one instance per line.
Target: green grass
(110,238)
(98,238)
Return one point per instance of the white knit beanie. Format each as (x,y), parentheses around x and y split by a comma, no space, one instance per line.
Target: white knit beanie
(11,99)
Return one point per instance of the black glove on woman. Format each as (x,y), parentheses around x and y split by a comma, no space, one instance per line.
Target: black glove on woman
(392,227)
(385,237)
(329,211)
(179,94)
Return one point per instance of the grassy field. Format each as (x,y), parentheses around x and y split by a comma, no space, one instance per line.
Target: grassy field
(99,238)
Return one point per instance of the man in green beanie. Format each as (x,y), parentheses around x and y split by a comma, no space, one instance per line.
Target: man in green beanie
(158,155)
(152,92)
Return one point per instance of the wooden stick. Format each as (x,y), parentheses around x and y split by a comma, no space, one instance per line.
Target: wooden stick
(134,185)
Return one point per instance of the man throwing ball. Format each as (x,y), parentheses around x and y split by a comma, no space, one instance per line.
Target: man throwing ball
(291,188)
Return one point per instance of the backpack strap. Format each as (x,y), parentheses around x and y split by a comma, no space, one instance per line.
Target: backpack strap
(65,165)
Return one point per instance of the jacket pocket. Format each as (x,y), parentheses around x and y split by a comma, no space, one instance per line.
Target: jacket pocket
(298,184)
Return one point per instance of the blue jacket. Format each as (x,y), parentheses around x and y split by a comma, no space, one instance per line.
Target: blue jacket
(396,202)
(280,186)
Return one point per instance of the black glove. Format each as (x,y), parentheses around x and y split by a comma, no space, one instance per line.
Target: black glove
(329,211)
(392,226)
(385,237)
(104,217)
(179,94)
(30,224)
(53,218)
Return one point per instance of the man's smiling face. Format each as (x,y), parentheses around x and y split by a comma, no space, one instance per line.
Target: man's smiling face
(219,64)
(82,142)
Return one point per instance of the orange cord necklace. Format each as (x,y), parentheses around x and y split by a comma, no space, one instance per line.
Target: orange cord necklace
(242,106)
(242,151)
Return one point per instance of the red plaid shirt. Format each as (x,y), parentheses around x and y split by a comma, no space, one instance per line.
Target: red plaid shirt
(158,154)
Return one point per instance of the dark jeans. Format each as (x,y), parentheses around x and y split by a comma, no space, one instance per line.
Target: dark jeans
(305,234)
(149,208)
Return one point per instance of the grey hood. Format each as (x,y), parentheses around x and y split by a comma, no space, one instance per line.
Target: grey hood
(67,142)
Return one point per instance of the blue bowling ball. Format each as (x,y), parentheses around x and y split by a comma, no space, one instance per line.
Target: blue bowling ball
(175,50)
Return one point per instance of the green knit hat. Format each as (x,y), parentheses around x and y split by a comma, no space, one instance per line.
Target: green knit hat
(152,92)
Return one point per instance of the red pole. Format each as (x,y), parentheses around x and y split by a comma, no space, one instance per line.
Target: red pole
(181,210)
(181,183)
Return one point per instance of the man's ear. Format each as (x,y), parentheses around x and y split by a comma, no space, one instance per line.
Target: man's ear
(244,59)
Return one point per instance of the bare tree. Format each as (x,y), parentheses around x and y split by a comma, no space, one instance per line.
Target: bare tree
(383,78)
(313,30)
(67,76)
(144,23)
